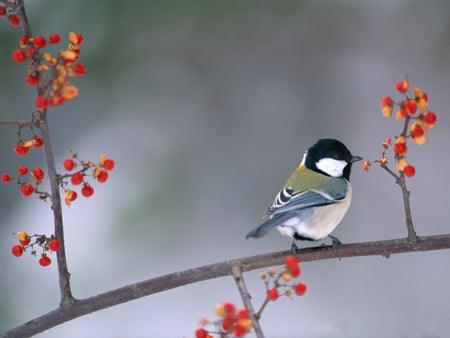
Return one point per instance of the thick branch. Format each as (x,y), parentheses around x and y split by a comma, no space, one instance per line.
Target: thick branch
(211,271)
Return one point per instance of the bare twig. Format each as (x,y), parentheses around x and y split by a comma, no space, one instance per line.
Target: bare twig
(177,279)
(236,271)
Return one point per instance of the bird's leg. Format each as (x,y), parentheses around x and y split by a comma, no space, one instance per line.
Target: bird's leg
(294,248)
(335,242)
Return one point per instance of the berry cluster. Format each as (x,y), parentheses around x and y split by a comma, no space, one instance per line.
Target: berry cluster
(418,120)
(47,244)
(232,322)
(281,284)
(13,18)
(85,169)
(28,180)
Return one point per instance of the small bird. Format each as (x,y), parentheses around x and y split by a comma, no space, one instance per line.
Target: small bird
(316,196)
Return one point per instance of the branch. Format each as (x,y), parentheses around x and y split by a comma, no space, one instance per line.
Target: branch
(174,280)
(236,271)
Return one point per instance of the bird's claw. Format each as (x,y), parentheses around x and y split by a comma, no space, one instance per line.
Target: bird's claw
(335,242)
(294,248)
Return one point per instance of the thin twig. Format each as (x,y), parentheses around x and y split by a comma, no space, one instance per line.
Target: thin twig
(19,123)
(182,278)
(236,271)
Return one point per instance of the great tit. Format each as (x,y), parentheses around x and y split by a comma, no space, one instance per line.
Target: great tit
(316,196)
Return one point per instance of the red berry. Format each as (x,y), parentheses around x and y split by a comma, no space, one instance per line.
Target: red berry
(68,164)
(38,142)
(17,250)
(400,148)
(14,20)
(54,38)
(300,288)
(409,170)
(229,308)
(6,178)
(242,313)
(77,178)
(239,331)
(386,101)
(108,164)
(20,149)
(31,80)
(87,190)
(45,260)
(80,38)
(54,244)
(227,323)
(430,117)
(73,196)
(23,41)
(25,242)
(18,56)
(41,102)
(2,10)
(26,189)
(38,174)
(201,333)
(272,294)
(56,100)
(102,176)
(22,170)
(39,41)
(418,132)
(80,69)
(411,106)
(30,51)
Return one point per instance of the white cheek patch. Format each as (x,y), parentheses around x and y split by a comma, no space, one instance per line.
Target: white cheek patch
(332,167)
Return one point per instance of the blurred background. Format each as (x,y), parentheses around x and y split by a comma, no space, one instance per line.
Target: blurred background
(207,107)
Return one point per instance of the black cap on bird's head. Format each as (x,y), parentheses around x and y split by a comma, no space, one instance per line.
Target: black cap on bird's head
(330,157)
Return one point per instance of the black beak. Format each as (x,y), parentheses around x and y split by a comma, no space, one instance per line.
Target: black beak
(356,158)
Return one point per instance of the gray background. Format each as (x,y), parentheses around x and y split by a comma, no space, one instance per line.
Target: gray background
(207,107)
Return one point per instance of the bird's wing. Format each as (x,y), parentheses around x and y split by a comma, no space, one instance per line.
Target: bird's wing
(287,199)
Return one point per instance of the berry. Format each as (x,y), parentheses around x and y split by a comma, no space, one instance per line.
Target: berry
(272,294)
(17,250)
(418,132)
(68,164)
(411,106)
(201,333)
(77,178)
(26,189)
(23,41)
(18,56)
(39,41)
(22,170)
(54,38)
(402,86)
(20,149)
(87,191)
(430,118)
(38,174)
(386,101)
(14,20)
(2,10)
(54,244)
(41,102)
(300,288)
(6,178)
(22,235)
(31,80)
(38,142)
(400,148)
(409,170)
(56,100)
(108,164)
(25,242)
(80,69)
(45,260)
(102,176)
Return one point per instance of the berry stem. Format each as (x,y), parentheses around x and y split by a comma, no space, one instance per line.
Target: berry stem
(236,271)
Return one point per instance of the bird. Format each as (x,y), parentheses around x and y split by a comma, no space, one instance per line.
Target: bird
(316,196)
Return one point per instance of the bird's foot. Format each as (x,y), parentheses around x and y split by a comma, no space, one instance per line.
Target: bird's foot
(335,242)
(294,248)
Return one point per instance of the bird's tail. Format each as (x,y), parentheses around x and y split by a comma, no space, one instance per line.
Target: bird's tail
(268,225)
